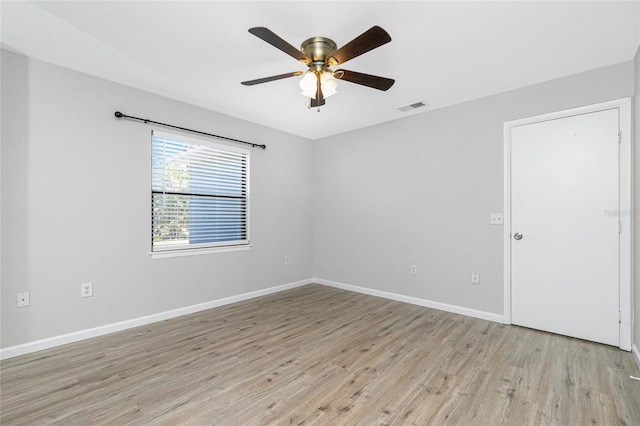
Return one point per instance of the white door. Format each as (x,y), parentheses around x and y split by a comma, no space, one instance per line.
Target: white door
(565,226)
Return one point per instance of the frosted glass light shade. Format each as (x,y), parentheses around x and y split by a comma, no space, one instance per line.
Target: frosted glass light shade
(329,84)
(309,85)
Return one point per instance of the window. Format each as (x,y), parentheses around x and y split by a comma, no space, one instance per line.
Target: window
(199,194)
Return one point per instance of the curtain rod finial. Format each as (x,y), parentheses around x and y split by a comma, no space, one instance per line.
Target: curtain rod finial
(119,114)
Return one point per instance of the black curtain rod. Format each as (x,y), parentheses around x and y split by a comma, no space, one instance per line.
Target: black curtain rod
(146,121)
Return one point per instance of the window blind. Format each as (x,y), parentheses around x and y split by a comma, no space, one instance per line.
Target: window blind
(199,194)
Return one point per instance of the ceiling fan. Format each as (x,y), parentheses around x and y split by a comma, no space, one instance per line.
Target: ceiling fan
(319,53)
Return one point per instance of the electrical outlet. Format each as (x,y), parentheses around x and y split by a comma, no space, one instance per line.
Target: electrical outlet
(23,299)
(497,219)
(86,290)
(475,278)
(286,260)
(414,270)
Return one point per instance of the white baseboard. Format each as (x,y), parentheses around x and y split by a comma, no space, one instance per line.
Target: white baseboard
(76,336)
(636,354)
(415,301)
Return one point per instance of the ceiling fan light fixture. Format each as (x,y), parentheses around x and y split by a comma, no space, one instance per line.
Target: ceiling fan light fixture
(308,84)
(329,84)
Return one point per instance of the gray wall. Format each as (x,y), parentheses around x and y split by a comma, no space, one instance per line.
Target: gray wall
(419,191)
(76,206)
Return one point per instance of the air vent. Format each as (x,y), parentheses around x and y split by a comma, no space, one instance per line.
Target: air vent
(412,106)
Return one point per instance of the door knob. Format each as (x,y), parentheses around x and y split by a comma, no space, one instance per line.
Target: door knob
(517,236)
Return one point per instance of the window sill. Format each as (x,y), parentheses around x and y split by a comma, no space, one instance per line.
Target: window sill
(196,252)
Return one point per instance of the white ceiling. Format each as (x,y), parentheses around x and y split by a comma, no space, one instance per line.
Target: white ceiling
(441,53)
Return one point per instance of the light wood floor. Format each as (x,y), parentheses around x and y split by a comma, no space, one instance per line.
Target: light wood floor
(319,355)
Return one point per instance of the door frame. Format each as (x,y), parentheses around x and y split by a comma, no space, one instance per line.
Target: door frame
(625,207)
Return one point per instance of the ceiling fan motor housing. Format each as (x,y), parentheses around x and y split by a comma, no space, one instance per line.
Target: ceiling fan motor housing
(318,49)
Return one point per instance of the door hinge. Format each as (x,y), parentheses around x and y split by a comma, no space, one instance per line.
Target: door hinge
(619,317)
(619,136)
(619,227)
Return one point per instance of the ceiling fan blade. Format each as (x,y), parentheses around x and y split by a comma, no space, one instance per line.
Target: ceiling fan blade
(272,78)
(273,39)
(380,83)
(369,40)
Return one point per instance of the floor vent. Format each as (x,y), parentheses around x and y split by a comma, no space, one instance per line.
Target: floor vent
(412,106)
